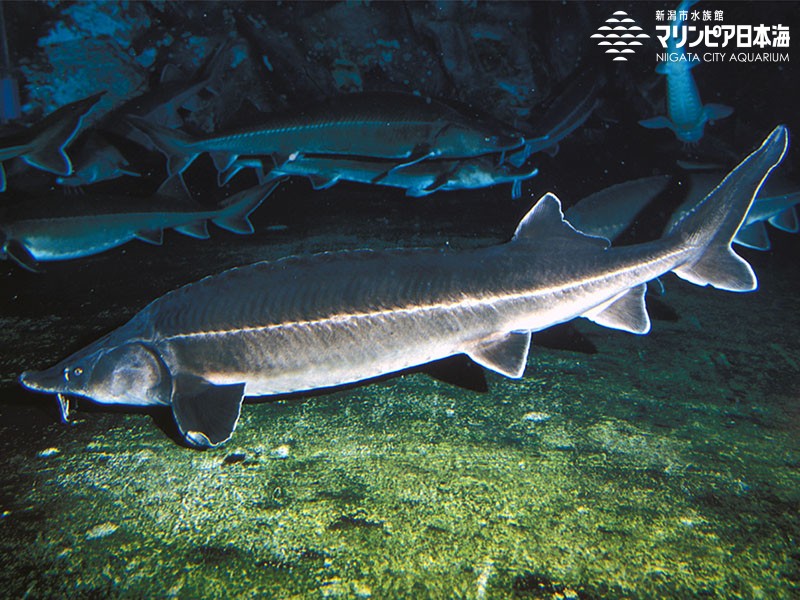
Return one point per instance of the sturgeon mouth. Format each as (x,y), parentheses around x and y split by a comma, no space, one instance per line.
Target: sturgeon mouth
(42,381)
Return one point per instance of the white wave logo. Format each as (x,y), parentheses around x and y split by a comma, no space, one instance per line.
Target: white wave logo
(619,34)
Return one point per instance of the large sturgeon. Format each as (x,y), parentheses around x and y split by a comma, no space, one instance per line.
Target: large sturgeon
(402,127)
(313,322)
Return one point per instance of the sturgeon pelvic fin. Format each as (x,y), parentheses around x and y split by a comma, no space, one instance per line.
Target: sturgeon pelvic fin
(507,354)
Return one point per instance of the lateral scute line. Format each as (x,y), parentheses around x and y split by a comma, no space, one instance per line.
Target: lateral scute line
(464,303)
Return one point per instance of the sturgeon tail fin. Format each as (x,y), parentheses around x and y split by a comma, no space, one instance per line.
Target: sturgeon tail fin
(712,224)
(235,215)
(53,133)
(176,145)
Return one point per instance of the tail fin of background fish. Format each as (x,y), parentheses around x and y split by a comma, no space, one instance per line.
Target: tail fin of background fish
(176,145)
(713,223)
(51,135)
(236,210)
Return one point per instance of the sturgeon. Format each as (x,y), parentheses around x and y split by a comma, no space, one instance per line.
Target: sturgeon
(324,320)
(42,145)
(686,114)
(418,180)
(50,230)
(402,127)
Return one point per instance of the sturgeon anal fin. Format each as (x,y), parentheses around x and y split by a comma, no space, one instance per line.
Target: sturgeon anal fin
(151,236)
(722,268)
(506,355)
(753,236)
(17,252)
(626,312)
(206,414)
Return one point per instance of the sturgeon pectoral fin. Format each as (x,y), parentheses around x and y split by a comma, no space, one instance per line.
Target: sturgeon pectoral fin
(206,414)
(418,154)
(656,123)
(626,312)
(506,355)
(717,111)
(322,182)
(17,252)
(2,178)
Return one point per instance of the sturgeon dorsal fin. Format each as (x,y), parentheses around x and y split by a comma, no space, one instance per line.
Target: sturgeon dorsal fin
(545,222)
(626,312)
(507,354)
(206,414)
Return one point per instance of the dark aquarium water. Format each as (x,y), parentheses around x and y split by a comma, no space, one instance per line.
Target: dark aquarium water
(618,465)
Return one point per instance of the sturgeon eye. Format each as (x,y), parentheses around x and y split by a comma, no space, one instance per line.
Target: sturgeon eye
(69,373)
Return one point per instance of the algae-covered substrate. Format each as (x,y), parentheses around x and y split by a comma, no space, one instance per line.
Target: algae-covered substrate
(665,465)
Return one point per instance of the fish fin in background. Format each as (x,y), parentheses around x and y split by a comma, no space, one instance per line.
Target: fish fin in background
(507,354)
(516,189)
(151,236)
(546,221)
(786,221)
(222,160)
(754,236)
(719,266)
(54,133)
(175,144)
(626,312)
(234,216)
(321,182)
(206,414)
(17,252)
(197,230)
(660,122)
(717,111)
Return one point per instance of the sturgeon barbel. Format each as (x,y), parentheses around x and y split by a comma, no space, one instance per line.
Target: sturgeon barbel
(324,320)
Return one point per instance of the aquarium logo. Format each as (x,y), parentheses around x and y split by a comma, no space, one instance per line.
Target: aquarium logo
(620,36)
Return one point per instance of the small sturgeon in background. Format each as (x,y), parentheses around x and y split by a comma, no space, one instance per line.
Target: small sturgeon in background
(417,180)
(313,322)
(686,114)
(42,145)
(610,211)
(403,127)
(53,229)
